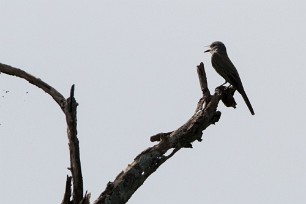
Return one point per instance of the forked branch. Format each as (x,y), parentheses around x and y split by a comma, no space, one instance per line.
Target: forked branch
(148,161)
(69,107)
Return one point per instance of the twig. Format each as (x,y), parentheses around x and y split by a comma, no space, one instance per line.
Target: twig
(67,195)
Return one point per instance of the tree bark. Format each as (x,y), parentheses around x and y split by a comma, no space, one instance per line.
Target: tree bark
(69,107)
(128,181)
(147,162)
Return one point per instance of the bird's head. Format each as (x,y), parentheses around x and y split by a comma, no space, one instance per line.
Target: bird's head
(218,47)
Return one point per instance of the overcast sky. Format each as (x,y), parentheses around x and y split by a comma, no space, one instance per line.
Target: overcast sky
(134,67)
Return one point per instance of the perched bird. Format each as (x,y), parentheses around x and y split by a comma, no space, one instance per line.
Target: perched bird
(223,65)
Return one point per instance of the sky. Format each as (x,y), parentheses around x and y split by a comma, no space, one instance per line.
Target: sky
(134,67)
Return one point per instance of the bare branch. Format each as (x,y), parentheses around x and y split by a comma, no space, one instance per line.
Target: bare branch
(204,87)
(59,98)
(67,195)
(147,162)
(203,80)
(69,107)
(75,161)
(86,199)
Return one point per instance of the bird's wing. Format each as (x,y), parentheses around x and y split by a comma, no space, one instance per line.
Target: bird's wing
(226,69)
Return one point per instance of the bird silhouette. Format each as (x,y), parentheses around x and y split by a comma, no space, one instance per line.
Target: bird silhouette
(223,66)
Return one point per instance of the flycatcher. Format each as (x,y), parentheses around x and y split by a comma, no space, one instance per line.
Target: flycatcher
(223,66)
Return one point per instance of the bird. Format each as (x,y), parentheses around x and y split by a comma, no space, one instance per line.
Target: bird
(224,67)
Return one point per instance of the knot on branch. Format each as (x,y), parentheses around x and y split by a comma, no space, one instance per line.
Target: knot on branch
(159,136)
(216,117)
(227,95)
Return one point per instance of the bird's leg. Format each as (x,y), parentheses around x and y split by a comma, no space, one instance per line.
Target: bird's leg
(223,83)
(231,88)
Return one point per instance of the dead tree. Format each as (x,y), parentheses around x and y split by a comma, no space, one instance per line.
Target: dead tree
(147,162)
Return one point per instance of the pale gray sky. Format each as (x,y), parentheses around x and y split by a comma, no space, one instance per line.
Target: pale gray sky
(134,66)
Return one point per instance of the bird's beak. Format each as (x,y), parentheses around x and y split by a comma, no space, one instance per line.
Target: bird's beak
(207,51)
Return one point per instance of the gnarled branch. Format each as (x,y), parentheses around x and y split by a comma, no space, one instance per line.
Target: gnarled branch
(147,162)
(69,108)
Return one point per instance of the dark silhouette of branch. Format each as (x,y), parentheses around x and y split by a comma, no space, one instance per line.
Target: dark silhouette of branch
(69,107)
(59,98)
(75,161)
(148,161)
(67,195)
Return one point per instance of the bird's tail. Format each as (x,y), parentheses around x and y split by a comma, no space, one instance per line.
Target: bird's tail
(246,100)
